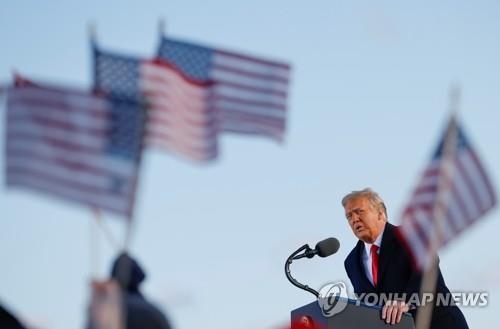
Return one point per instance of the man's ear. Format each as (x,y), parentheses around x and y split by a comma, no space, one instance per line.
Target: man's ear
(381,214)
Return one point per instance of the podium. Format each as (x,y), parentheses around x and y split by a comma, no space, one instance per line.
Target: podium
(354,315)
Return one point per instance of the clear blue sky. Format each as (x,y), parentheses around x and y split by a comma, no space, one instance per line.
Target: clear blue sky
(369,98)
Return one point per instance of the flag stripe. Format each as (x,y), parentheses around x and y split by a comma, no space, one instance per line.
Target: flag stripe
(463,189)
(253,129)
(241,107)
(454,217)
(231,87)
(273,107)
(246,82)
(469,176)
(180,137)
(35,130)
(457,206)
(87,167)
(447,225)
(64,124)
(85,179)
(158,119)
(477,180)
(259,119)
(412,242)
(250,63)
(419,227)
(166,143)
(221,71)
(484,178)
(73,101)
(46,185)
(54,110)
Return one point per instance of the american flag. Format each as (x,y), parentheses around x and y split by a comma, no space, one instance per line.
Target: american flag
(250,92)
(73,145)
(453,192)
(181,118)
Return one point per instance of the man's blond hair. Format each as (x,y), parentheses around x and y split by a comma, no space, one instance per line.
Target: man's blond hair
(370,195)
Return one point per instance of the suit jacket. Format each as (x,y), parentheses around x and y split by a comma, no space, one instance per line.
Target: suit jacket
(396,275)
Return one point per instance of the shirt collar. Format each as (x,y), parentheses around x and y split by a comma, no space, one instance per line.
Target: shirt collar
(377,242)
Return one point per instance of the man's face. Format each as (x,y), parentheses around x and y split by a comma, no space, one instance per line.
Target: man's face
(365,220)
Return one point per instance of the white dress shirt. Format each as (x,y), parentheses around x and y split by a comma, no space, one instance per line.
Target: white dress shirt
(367,259)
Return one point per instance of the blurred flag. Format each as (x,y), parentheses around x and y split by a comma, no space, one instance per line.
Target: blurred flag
(73,145)
(454,191)
(181,118)
(250,93)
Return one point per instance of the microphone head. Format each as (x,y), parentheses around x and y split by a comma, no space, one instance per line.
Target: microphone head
(327,247)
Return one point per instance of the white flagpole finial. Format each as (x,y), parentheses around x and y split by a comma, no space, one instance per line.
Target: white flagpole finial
(161,26)
(92,30)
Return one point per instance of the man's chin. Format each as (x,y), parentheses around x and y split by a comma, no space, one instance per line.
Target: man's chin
(364,237)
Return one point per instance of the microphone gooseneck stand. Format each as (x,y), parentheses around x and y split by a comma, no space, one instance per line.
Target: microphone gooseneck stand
(289,275)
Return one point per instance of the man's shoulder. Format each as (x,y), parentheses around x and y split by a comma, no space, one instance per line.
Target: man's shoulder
(351,257)
(391,229)
(391,234)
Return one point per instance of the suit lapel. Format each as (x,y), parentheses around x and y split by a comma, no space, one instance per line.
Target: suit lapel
(386,250)
(368,286)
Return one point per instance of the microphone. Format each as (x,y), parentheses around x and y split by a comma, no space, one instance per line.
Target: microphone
(323,248)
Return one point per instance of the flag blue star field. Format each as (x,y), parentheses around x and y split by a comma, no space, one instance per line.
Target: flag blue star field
(453,193)
(73,145)
(117,75)
(181,118)
(250,93)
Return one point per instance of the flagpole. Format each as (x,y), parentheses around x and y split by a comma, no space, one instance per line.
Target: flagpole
(129,230)
(161,27)
(94,238)
(161,30)
(429,280)
(107,233)
(131,221)
(94,245)
(92,31)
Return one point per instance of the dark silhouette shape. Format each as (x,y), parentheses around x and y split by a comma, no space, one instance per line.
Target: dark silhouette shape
(139,312)
(8,320)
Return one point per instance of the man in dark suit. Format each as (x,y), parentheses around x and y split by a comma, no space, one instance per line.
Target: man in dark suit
(379,264)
